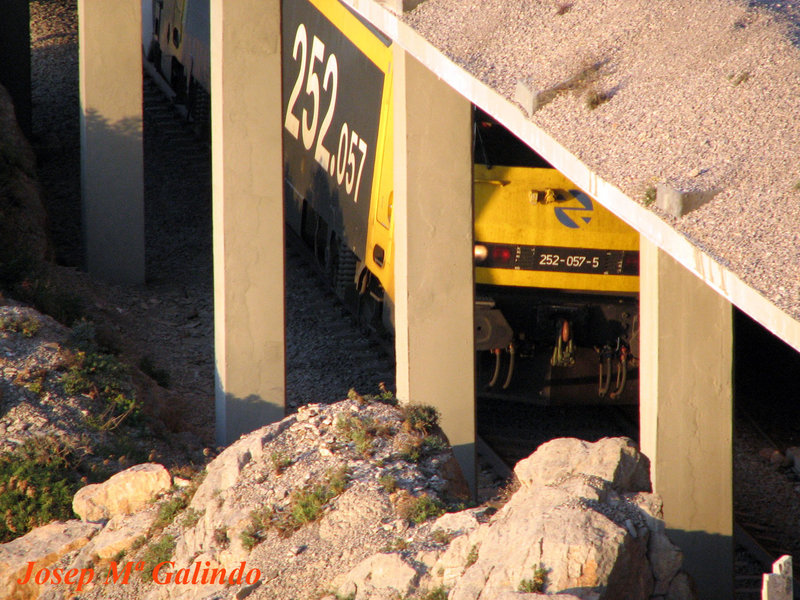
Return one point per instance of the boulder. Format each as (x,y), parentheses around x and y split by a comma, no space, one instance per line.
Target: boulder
(43,546)
(381,576)
(122,494)
(117,536)
(580,524)
(614,460)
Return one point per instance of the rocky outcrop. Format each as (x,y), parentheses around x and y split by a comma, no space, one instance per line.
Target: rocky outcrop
(582,523)
(43,546)
(344,499)
(122,494)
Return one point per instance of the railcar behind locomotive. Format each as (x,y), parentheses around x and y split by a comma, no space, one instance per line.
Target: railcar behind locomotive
(556,310)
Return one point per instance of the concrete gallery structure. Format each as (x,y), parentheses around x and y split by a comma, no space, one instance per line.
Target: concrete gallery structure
(686,420)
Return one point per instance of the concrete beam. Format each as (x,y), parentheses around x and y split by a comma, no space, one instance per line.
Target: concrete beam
(15,68)
(384,15)
(434,289)
(686,414)
(112,169)
(247,215)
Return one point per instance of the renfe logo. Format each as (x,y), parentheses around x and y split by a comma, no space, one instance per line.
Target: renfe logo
(586,206)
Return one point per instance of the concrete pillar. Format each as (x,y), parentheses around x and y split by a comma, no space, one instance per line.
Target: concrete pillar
(15,67)
(112,186)
(247,215)
(433,251)
(687,414)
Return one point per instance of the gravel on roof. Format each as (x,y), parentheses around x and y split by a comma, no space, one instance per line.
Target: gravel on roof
(701,94)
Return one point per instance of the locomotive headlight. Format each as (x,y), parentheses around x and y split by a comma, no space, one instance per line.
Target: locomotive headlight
(480,253)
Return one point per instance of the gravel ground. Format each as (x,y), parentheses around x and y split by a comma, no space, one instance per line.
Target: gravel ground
(703,95)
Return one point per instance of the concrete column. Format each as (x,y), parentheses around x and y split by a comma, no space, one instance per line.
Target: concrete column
(111,138)
(433,251)
(15,68)
(247,214)
(687,414)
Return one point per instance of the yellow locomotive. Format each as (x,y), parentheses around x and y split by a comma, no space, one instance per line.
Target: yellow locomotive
(556,311)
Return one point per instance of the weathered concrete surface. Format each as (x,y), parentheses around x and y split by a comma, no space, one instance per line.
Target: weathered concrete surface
(687,413)
(433,252)
(247,168)
(112,165)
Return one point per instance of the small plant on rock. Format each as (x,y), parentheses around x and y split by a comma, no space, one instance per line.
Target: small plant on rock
(595,98)
(191,517)
(167,511)
(536,584)
(440,536)
(221,538)
(388,482)
(27,326)
(439,593)
(420,418)
(420,509)
(158,552)
(280,461)
(472,556)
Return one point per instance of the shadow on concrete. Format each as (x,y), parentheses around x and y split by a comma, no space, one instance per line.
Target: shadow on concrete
(112,175)
(237,416)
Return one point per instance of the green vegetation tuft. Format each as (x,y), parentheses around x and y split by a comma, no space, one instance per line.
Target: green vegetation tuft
(102,376)
(472,556)
(221,538)
(421,509)
(536,584)
(191,517)
(167,511)
(440,536)
(158,552)
(305,506)
(37,482)
(388,482)
(439,593)
(420,418)
(361,431)
(27,326)
(280,461)
(649,196)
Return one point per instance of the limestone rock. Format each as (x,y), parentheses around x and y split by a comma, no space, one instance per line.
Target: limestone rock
(457,523)
(123,493)
(117,536)
(44,546)
(377,577)
(615,460)
(579,518)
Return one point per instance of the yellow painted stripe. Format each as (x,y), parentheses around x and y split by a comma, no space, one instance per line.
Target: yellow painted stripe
(356,32)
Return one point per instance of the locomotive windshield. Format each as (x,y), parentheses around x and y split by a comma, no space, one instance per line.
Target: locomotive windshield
(496,145)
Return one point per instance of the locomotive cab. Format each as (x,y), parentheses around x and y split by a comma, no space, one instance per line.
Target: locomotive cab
(556,281)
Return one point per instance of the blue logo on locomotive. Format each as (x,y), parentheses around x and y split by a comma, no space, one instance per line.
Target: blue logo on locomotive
(569,221)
